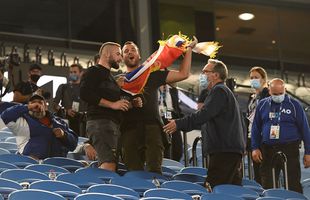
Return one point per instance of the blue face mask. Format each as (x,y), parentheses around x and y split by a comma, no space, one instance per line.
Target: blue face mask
(73,77)
(278,98)
(203,81)
(255,83)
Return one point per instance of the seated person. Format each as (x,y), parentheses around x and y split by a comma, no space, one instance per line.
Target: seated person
(39,134)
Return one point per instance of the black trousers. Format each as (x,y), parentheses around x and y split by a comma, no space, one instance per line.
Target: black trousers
(224,168)
(291,151)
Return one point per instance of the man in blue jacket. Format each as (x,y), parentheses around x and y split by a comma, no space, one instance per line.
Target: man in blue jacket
(280,124)
(39,134)
(220,117)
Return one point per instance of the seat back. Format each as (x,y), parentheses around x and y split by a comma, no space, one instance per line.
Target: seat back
(46,168)
(103,174)
(167,193)
(195,170)
(186,187)
(283,194)
(31,194)
(96,196)
(112,189)
(23,175)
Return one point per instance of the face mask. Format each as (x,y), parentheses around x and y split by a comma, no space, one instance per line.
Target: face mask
(203,81)
(255,83)
(73,77)
(34,77)
(278,98)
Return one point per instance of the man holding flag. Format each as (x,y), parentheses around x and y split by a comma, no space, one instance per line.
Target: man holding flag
(142,137)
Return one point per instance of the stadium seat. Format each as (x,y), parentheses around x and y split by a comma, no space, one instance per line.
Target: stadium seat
(213,196)
(46,168)
(82,181)
(167,172)
(306,187)
(116,190)
(6,165)
(166,193)
(137,184)
(195,170)
(32,194)
(250,182)
(96,196)
(7,186)
(5,134)
(146,175)
(153,198)
(4,151)
(271,198)
(19,160)
(186,187)
(103,174)
(66,163)
(67,190)
(23,175)
(283,194)
(172,164)
(189,177)
(12,147)
(236,190)
(10,139)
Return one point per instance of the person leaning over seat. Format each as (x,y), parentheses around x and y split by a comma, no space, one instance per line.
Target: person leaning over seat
(39,133)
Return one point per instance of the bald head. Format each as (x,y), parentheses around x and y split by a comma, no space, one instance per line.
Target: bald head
(276,87)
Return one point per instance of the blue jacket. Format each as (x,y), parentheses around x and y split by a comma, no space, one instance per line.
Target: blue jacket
(36,139)
(293,123)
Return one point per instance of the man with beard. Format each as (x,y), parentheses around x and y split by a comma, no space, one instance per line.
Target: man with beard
(143,140)
(39,134)
(102,93)
(25,89)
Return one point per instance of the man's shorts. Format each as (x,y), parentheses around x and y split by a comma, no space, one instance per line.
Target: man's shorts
(104,134)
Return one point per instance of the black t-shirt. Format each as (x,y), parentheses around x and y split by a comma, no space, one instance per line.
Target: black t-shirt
(149,112)
(97,83)
(26,88)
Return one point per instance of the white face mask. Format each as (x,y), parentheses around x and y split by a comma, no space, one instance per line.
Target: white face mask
(255,83)
(278,98)
(203,81)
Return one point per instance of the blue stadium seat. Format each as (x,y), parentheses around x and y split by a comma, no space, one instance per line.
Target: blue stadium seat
(6,165)
(67,190)
(189,177)
(116,190)
(12,147)
(195,170)
(250,182)
(186,187)
(5,134)
(7,186)
(10,139)
(167,172)
(146,175)
(283,194)
(23,175)
(153,198)
(271,198)
(306,187)
(4,151)
(46,168)
(96,196)
(137,184)
(32,194)
(213,196)
(167,193)
(103,174)
(172,164)
(66,163)
(82,181)
(19,160)
(236,190)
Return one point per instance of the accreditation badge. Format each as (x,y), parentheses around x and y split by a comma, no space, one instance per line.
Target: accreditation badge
(275,132)
(75,106)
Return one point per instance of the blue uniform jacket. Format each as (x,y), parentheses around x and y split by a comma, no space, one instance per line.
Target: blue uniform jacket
(293,123)
(42,142)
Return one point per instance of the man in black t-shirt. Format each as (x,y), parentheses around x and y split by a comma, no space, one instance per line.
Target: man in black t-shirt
(25,89)
(102,93)
(142,136)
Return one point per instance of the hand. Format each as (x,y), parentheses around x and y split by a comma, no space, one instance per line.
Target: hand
(71,112)
(58,132)
(122,105)
(120,81)
(90,151)
(193,43)
(200,105)
(306,161)
(171,127)
(257,156)
(35,107)
(137,102)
